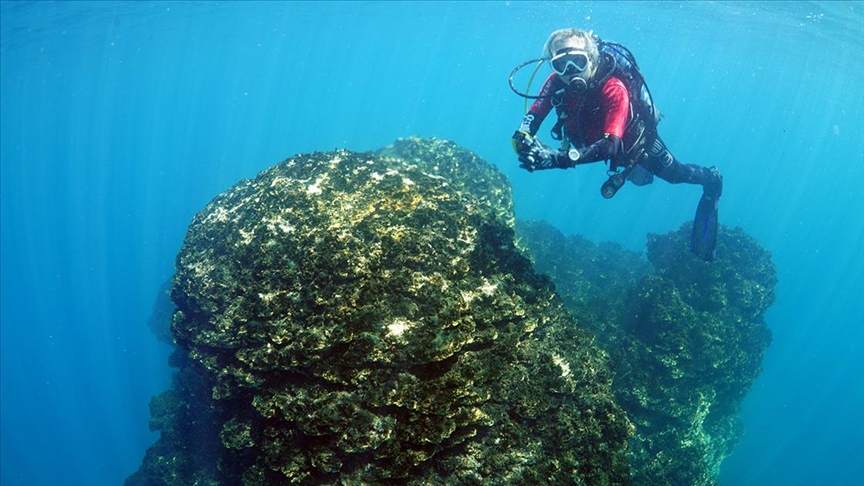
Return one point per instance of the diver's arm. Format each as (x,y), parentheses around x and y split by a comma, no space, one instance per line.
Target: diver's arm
(540,108)
(533,155)
(606,148)
(616,108)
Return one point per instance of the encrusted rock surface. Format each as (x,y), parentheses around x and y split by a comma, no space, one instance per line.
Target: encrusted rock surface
(365,318)
(686,340)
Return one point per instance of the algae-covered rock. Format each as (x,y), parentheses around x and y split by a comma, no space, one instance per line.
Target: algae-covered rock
(698,336)
(365,318)
(591,279)
(464,171)
(160,319)
(686,339)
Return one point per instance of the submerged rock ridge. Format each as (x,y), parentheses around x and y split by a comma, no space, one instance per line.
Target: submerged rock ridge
(365,318)
(686,338)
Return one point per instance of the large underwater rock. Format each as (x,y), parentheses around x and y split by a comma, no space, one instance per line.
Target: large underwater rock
(365,318)
(686,338)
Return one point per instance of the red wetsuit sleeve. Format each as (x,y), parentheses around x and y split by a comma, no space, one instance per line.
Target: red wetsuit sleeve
(616,105)
(541,107)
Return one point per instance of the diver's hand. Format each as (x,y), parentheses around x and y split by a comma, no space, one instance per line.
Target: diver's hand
(550,159)
(533,155)
(522,142)
(538,161)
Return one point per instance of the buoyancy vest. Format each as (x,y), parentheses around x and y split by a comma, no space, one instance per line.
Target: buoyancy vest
(616,60)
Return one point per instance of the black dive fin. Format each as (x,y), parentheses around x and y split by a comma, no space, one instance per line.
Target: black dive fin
(703,241)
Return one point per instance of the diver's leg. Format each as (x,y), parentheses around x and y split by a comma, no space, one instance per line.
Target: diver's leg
(703,240)
(661,162)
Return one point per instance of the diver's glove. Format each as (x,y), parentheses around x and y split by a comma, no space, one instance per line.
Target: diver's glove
(533,155)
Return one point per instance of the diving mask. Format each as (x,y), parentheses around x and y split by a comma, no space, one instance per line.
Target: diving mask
(570,62)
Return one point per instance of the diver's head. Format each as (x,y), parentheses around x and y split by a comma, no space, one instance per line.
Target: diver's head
(574,56)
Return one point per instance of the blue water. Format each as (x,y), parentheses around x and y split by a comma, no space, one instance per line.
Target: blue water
(121,120)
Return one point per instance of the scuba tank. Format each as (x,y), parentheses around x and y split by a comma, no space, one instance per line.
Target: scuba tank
(621,63)
(643,124)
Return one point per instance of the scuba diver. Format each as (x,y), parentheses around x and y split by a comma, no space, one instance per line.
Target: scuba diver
(605,112)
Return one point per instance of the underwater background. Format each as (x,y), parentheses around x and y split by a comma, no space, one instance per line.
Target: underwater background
(121,120)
